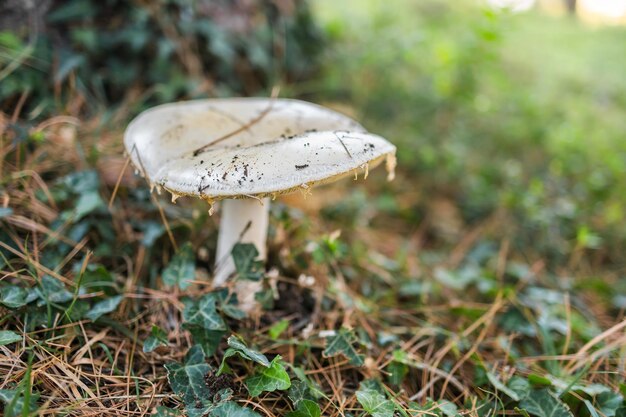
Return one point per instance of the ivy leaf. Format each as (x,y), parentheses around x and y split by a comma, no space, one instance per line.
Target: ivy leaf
(373,400)
(158,337)
(341,342)
(14,404)
(498,385)
(86,203)
(181,269)
(298,392)
(103,307)
(542,403)
(7,337)
(306,408)
(203,313)
(97,278)
(244,256)
(51,290)
(270,378)
(608,403)
(520,386)
(12,296)
(238,347)
(187,381)
(208,339)
(448,408)
(232,409)
(227,302)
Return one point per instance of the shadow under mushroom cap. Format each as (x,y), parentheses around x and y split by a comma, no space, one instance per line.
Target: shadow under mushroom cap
(249,147)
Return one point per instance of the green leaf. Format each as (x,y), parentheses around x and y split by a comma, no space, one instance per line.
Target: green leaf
(158,337)
(12,296)
(342,343)
(499,386)
(51,290)
(244,256)
(97,278)
(232,409)
(306,408)
(103,307)
(8,337)
(181,269)
(228,303)
(520,386)
(397,368)
(538,380)
(203,313)
(277,329)
(448,408)
(86,203)
(232,311)
(270,378)
(298,392)
(373,400)
(542,403)
(238,347)
(187,381)
(608,403)
(15,402)
(208,339)
(397,372)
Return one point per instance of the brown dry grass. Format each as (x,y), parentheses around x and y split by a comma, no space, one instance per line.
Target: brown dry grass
(85,368)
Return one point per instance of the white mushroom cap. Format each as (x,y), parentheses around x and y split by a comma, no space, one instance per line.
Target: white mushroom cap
(249,147)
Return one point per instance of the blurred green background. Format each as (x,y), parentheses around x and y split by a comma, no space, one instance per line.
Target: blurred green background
(520,112)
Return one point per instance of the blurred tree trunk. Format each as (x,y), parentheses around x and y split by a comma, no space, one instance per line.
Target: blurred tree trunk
(571,6)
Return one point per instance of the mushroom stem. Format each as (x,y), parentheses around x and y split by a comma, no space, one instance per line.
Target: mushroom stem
(242,221)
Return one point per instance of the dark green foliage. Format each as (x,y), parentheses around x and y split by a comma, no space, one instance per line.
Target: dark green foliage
(543,403)
(103,307)
(306,408)
(16,404)
(104,51)
(7,337)
(342,342)
(246,263)
(238,347)
(158,337)
(181,269)
(481,116)
(187,381)
(203,313)
(372,398)
(269,378)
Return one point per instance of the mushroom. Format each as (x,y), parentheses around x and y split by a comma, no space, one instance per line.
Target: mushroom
(244,151)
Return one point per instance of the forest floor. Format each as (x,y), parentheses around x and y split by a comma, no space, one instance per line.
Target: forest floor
(486,280)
